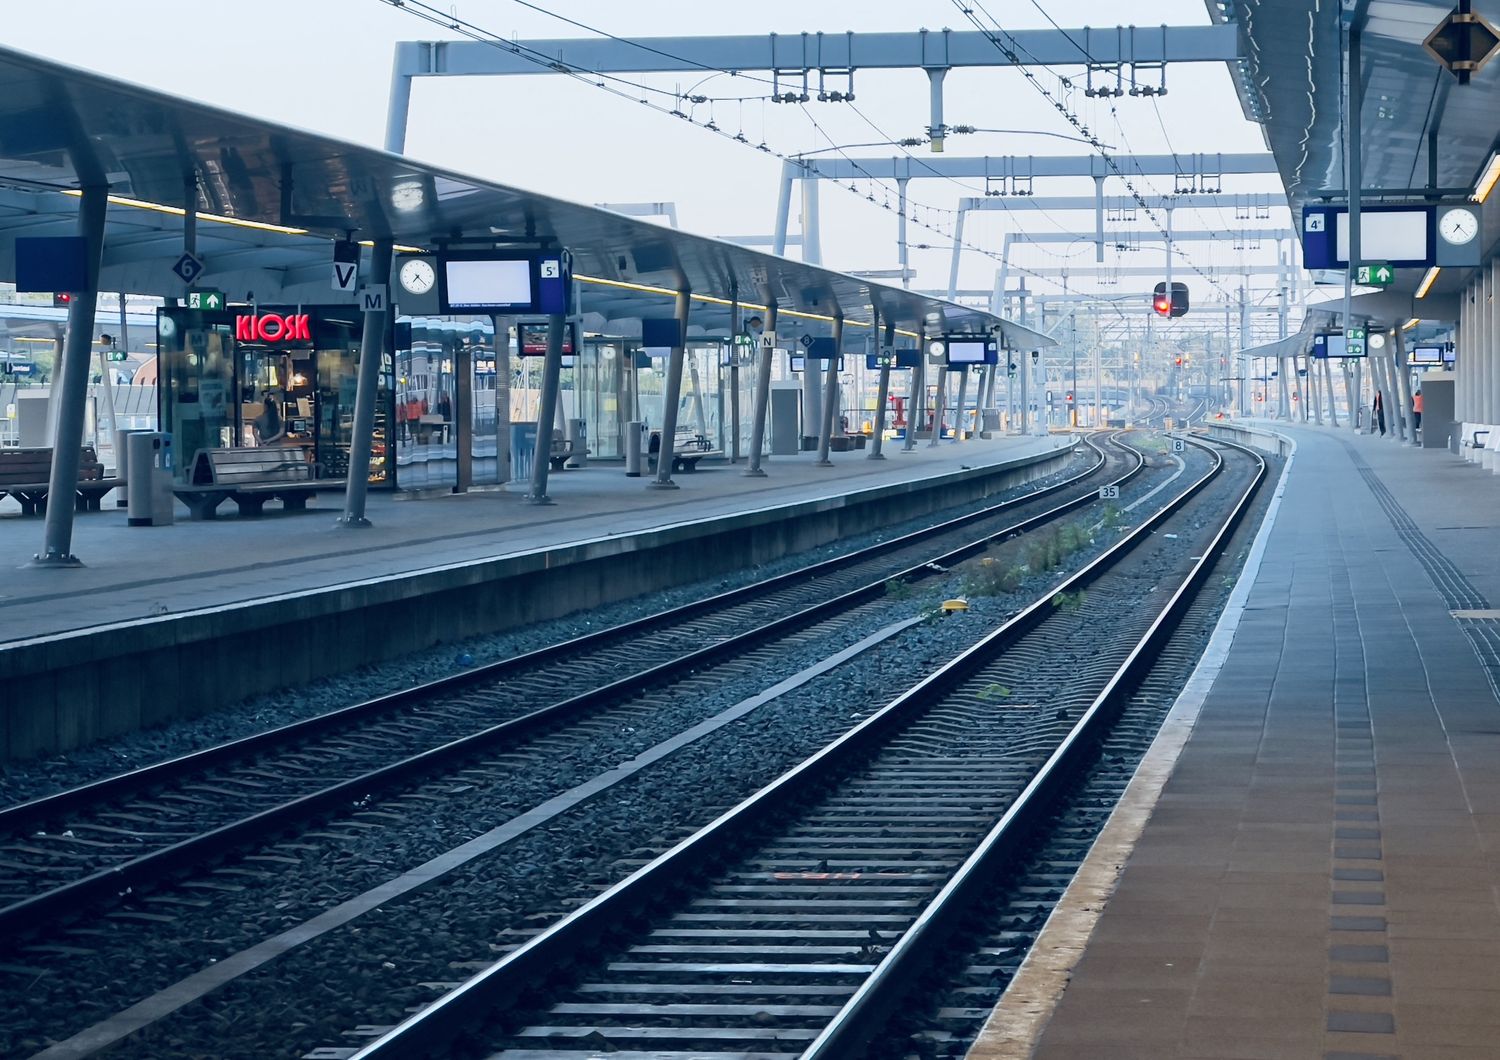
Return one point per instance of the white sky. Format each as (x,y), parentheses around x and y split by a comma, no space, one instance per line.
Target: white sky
(325,65)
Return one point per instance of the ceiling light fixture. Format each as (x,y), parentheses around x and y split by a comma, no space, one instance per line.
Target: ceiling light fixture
(1487,179)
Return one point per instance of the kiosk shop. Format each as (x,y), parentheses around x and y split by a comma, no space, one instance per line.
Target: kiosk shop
(269,375)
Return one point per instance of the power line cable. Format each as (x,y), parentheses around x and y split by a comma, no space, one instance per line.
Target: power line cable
(431,15)
(1011,48)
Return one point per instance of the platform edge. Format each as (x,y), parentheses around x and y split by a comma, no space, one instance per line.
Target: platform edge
(1015,1026)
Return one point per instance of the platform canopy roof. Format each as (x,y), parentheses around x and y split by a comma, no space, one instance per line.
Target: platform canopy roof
(1291,81)
(279,195)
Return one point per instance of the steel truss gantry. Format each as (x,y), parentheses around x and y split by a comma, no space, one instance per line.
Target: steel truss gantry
(794,59)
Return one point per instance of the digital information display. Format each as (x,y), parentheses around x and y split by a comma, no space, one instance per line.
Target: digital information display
(1395,235)
(966,352)
(489,284)
(799,363)
(532,339)
(1426,355)
(1329,345)
(894,359)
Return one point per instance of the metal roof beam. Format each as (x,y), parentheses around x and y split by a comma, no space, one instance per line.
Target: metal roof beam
(1124,204)
(923,49)
(1140,236)
(1024,167)
(1094,272)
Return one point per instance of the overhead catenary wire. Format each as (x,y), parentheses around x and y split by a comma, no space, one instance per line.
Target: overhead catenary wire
(1012,49)
(608,83)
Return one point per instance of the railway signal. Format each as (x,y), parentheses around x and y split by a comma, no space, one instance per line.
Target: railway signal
(1170,300)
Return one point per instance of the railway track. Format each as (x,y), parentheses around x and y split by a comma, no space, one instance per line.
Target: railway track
(795,922)
(93,843)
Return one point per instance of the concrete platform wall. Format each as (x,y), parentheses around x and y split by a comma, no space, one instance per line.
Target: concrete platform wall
(65,690)
(1256,438)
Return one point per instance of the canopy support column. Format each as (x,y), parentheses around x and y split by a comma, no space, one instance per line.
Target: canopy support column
(938,399)
(963,391)
(546,413)
(918,393)
(371,350)
(71,396)
(830,391)
(765,351)
(735,327)
(883,391)
(673,398)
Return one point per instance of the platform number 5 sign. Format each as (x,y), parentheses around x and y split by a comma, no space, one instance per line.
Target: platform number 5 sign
(1109,493)
(551,269)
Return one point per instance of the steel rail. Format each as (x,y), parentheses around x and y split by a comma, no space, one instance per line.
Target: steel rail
(521,972)
(869,1009)
(26,815)
(33,913)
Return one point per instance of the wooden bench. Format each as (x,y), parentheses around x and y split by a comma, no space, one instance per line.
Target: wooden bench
(25,474)
(687,452)
(249,477)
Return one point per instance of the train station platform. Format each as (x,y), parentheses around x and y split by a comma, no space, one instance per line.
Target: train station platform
(1307,863)
(196,612)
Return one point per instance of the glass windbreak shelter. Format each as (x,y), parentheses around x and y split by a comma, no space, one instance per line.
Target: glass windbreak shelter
(431,355)
(259,376)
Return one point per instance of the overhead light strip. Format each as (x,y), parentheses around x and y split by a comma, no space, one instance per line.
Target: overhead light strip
(264,226)
(178,211)
(1487,179)
(1428,281)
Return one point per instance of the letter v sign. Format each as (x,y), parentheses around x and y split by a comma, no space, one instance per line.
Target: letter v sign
(344,273)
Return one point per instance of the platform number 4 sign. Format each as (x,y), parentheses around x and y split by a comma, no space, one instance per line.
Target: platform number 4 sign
(1178,445)
(1109,493)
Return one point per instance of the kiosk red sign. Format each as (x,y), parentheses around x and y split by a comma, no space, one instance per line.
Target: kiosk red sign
(272,327)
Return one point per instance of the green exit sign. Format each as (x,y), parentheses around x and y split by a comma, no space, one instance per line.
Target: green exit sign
(1375,275)
(205,300)
(1354,341)
(118,355)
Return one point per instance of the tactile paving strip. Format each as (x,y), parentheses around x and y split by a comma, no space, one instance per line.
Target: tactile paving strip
(1472,612)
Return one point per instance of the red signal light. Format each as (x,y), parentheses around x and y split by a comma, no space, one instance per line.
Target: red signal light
(62,298)
(1163,306)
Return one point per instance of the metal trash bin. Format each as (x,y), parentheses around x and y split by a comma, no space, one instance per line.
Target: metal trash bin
(578,434)
(122,463)
(637,440)
(148,490)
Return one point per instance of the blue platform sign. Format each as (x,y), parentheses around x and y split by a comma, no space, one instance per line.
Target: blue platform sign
(555,283)
(1399,236)
(895,359)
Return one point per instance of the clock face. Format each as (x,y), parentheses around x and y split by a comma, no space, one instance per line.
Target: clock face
(936,347)
(408,195)
(417,276)
(1377,341)
(1458,226)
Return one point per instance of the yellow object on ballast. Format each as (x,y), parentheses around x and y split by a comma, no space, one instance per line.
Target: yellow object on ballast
(955,605)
